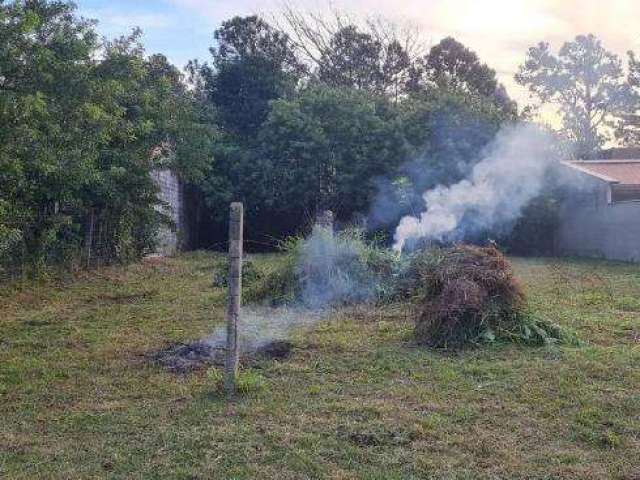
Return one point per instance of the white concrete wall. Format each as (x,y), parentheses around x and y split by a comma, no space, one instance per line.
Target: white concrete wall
(592,227)
(171,192)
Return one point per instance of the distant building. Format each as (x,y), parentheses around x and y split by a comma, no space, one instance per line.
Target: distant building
(602,218)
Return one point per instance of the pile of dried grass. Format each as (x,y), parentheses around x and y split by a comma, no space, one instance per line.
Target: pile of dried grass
(471,296)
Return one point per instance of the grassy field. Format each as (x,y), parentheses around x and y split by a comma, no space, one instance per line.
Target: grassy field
(356,399)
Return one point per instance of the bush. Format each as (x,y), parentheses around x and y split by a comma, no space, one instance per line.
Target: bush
(327,269)
(250,273)
(277,285)
(533,233)
(469,296)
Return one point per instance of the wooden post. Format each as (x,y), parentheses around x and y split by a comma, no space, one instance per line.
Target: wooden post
(325,220)
(88,240)
(234,300)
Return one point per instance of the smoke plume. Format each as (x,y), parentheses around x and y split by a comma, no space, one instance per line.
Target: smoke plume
(508,176)
(258,326)
(329,271)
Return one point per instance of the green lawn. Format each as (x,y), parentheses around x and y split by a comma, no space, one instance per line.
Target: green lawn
(356,400)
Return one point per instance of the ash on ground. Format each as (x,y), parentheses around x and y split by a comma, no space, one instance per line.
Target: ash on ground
(263,334)
(183,358)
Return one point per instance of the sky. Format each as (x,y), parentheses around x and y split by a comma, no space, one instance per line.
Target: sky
(500,31)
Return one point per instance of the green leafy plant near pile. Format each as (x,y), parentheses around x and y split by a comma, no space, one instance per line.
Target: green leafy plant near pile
(247,382)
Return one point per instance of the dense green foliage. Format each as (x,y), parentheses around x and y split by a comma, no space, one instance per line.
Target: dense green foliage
(252,65)
(336,135)
(325,149)
(446,131)
(85,122)
(83,125)
(363,129)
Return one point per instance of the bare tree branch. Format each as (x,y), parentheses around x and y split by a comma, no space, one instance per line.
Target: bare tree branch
(312,31)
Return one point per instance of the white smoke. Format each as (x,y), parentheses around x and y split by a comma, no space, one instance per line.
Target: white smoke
(331,269)
(510,174)
(330,272)
(261,325)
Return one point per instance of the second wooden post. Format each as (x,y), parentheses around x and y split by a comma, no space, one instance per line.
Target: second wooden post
(235,294)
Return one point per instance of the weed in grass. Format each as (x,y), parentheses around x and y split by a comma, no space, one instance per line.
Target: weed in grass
(247,381)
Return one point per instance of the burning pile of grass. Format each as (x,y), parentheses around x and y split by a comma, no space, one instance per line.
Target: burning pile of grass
(470,296)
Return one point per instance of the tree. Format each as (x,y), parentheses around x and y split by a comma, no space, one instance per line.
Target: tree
(373,54)
(322,149)
(83,125)
(148,121)
(628,129)
(45,65)
(352,59)
(445,132)
(451,65)
(245,37)
(396,70)
(586,82)
(253,64)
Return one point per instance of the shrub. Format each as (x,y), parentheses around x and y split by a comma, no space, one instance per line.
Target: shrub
(327,269)
(250,273)
(278,283)
(533,233)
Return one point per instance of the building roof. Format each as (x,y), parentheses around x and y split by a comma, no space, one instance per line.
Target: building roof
(623,172)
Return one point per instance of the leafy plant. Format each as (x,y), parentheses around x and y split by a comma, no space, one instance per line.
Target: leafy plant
(247,381)
(84,123)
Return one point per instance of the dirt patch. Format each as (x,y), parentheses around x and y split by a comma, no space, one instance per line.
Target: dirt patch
(183,358)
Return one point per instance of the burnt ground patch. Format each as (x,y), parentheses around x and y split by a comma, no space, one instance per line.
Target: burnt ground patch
(183,358)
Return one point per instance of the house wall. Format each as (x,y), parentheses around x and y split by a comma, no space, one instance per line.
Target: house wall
(591,227)
(171,193)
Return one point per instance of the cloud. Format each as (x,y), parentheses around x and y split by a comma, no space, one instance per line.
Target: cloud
(111,20)
(500,31)
(216,11)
